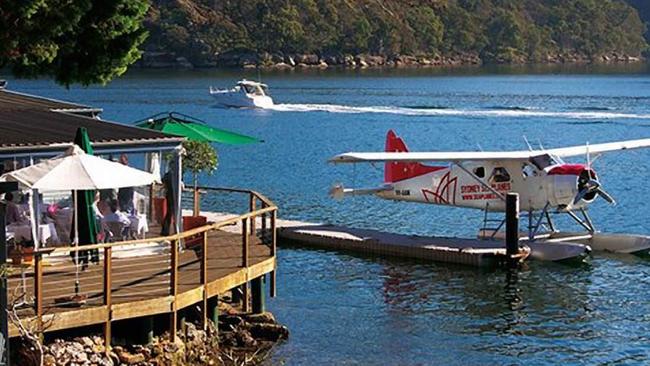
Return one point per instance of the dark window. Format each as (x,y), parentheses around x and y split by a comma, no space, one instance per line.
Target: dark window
(480,172)
(499,174)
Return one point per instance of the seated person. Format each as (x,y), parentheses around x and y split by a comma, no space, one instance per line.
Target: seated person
(125,194)
(116,215)
(98,213)
(13,214)
(125,199)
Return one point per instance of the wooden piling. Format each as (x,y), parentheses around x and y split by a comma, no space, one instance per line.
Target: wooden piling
(213,311)
(512,226)
(257,289)
(274,239)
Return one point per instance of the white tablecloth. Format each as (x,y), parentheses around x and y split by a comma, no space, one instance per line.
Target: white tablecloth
(24,232)
(139,224)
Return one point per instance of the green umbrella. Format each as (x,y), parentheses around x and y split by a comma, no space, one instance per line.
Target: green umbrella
(193,129)
(85,199)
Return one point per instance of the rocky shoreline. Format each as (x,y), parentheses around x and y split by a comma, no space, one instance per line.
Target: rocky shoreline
(279,61)
(241,339)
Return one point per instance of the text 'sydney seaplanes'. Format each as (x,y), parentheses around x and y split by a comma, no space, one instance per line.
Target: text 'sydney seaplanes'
(545,183)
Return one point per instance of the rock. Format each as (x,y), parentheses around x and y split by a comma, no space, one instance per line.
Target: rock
(229,322)
(333,59)
(85,341)
(49,360)
(348,60)
(268,332)
(290,61)
(182,62)
(282,66)
(375,60)
(265,317)
(277,58)
(244,338)
(114,358)
(130,359)
(308,59)
(323,65)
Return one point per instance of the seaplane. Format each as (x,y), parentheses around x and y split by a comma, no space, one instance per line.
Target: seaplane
(547,186)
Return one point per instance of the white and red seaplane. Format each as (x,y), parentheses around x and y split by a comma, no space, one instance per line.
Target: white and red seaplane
(480,180)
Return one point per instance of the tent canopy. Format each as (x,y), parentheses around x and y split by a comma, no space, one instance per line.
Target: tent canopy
(193,129)
(76,170)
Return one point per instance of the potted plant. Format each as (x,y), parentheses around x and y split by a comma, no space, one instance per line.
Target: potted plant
(15,254)
(200,157)
(28,251)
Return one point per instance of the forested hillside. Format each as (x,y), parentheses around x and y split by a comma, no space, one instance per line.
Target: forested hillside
(643,7)
(235,32)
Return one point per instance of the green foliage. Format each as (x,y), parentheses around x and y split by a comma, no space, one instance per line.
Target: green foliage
(81,41)
(498,30)
(200,157)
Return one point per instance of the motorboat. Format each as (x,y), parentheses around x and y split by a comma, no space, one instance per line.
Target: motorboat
(246,94)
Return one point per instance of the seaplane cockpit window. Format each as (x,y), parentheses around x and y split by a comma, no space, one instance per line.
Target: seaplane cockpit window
(545,160)
(265,90)
(479,172)
(499,175)
(528,170)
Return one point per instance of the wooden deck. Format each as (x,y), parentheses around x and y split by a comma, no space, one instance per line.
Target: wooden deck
(146,277)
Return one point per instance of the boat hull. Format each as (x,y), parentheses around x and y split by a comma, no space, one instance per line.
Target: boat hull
(240,100)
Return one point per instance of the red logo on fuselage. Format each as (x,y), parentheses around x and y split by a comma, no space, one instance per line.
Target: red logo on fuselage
(445,193)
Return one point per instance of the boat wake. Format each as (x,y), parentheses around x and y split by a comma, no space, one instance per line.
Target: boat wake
(512,112)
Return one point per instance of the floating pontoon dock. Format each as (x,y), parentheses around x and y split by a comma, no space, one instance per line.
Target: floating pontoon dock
(474,252)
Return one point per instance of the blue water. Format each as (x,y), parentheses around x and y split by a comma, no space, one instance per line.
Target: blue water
(356,310)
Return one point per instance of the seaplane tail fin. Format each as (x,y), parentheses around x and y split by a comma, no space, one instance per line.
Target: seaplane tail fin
(395,171)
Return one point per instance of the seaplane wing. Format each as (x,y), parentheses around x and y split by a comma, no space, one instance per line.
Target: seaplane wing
(599,148)
(459,156)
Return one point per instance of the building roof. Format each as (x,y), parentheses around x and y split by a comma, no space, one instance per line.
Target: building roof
(11,100)
(30,125)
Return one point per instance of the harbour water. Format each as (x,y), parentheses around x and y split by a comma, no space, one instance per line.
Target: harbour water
(353,310)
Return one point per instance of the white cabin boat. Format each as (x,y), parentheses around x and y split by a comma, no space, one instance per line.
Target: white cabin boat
(246,94)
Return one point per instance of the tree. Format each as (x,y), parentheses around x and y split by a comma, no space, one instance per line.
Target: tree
(81,41)
(200,157)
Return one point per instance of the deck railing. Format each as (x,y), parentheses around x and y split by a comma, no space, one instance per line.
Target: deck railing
(149,276)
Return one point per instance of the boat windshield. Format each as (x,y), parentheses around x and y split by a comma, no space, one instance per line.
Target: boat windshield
(255,89)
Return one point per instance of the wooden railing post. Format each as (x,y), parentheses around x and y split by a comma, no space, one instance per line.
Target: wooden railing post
(204,280)
(245,239)
(108,262)
(38,293)
(274,217)
(174,289)
(263,228)
(252,208)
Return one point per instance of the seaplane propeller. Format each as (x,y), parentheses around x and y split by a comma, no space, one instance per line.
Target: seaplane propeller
(588,185)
